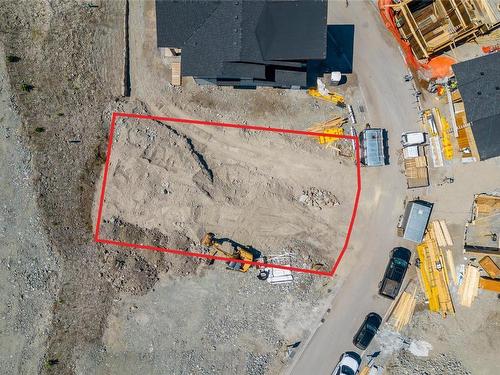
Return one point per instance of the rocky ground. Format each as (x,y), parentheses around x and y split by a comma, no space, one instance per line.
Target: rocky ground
(28,268)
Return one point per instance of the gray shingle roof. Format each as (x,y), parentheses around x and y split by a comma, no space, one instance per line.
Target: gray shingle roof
(479,85)
(214,35)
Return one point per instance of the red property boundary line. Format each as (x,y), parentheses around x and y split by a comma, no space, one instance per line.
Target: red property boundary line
(116,115)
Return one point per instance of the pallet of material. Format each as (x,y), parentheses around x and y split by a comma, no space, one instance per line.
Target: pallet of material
(468,290)
(489,284)
(416,172)
(490,267)
(176,73)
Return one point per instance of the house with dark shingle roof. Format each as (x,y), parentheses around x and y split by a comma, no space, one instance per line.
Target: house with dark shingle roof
(245,43)
(478,81)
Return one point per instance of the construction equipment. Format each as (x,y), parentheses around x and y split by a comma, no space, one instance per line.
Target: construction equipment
(239,253)
(331,97)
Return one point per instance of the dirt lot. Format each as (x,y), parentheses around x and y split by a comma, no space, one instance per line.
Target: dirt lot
(276,192)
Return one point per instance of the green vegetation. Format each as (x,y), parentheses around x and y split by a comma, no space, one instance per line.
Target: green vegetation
(51,362)
(26,87)
(39,130)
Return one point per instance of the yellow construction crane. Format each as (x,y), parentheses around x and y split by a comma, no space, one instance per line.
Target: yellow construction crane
(216,249)
(331,97)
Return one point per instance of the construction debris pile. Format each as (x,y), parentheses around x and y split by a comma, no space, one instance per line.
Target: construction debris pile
(315,197)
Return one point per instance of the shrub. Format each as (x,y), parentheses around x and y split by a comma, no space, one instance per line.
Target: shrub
(12,58)
(26,87)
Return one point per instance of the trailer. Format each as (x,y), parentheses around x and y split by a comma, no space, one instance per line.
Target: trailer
(373,147)
(414,222)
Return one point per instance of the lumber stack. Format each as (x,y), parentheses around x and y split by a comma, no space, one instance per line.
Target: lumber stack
(468,290)
(416,167)
(335,122)
(442,234)
(176,73)
(332,127)
(490,267)
(405,306)
(434,275)
(492,282)
(444,240)
(416,172)
(489,284)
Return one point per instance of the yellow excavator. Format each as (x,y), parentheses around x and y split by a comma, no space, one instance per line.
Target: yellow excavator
(216,249)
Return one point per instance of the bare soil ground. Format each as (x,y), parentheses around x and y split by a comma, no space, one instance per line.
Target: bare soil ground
(275,192)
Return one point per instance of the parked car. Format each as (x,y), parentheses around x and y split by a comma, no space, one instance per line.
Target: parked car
(395,272)
(412,139)
(367,331)
(348,364)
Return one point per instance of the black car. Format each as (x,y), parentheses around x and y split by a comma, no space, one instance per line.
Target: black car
(367,331)
(395,272)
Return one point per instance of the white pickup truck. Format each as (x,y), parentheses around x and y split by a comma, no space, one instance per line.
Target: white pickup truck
(412,139)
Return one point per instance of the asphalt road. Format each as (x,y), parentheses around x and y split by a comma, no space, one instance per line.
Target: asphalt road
(389,104)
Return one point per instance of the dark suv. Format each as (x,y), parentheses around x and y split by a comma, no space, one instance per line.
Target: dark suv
(367,331)
(395,272)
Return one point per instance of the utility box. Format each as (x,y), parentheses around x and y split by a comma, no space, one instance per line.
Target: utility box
(414,222)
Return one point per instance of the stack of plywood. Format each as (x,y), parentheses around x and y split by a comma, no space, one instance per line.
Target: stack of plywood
(416,172)
(176,73)
(468,290)
(405,306)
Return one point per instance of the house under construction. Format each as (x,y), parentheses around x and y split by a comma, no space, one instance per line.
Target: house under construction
(476,107)
(432,26)
(482,232)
